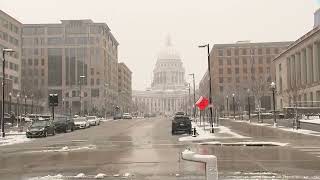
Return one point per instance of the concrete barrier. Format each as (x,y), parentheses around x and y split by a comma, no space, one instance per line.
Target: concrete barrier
(209,160)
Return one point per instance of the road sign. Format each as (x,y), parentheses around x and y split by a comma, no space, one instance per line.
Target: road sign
(53,100)
(202,103)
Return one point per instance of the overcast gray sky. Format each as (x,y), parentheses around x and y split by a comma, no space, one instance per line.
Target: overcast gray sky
(141,26)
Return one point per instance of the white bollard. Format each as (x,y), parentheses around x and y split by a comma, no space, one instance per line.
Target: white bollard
(209,160)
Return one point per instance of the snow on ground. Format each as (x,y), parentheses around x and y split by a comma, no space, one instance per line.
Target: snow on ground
(13,139)
(221,132)
(66,149)
(313,121)
(80,176)
(245,143)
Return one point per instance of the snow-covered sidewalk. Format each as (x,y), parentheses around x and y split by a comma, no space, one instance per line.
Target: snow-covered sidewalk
(203,131)
(13,137)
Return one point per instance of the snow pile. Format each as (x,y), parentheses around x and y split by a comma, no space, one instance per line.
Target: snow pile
(221,132)
(100,176)
(13,139)
(80,175)
(300,131)
(67,149)
(312,121)
(15,133)
(48,177)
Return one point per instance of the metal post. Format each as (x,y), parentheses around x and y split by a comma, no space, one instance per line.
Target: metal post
(3,84)
(274,108)
(234,108)
(52,112)
(228,105)
(194,97)
(25,105)
(210,95)
(189,99)
(249,110)
(10,99)
(32,104)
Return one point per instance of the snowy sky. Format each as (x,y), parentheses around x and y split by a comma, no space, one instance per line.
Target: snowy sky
(141,26)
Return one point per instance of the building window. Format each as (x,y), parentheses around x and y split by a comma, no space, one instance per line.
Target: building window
(220,52)
(229,79)
(245,70)
(42,62)
(73,93)
(236,51)
(228,52)
(259,51)
(229,61)
(42,72)
(220,71)
(92,82)
(94,92)
(237,80)
(92,71)
(220,61)
(229,70)
(237,70)
(220,79)
(221,89)
(268,60)
(260,60)
(244,60)
(244,51)
(237,61)
(268,51)
(280,67)
(30,62)
(66,94)
(98,82)
(36,62)
(260,70)
(276,50)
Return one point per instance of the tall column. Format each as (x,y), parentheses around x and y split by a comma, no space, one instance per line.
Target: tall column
(315,62)
(309,65)
(288,73)
(298,69)
(303,67)
(293,72)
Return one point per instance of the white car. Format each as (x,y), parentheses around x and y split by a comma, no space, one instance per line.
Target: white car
(81,123)
(93,120)
(126,116)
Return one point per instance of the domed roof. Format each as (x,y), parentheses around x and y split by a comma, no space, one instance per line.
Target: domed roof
(169,52)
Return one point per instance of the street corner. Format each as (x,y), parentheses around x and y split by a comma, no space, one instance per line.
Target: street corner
(14,137)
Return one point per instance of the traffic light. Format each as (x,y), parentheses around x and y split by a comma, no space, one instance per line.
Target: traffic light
(53,100)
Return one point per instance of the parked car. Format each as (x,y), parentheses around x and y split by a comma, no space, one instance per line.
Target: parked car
(40,129)
(63,124)
(181,124)
(126,116)
(146,115)
(117,116)
(81,123)
(93,120)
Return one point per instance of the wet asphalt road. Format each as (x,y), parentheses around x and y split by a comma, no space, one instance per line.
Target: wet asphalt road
(146,149)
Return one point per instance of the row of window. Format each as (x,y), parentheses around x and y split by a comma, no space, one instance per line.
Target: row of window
(4,36)
(247,51)
(35,82)
(236,61)
(33,52)
(31,72)
(244,70)
(237,79)
(14,79)
(94,93)
(34,62)
(8,25)
(11,65)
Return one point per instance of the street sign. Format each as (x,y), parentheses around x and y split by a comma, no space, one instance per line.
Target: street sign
(53,100)
(202,103)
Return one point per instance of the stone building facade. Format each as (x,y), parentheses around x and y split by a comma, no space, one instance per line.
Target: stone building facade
(124,87)
(69,57)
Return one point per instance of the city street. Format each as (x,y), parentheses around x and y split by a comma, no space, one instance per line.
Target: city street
(145,149)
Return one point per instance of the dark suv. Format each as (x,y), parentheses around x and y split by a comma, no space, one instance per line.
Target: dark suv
(181,124)
(63,124)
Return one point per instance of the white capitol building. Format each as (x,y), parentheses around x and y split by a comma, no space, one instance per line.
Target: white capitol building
(169,91)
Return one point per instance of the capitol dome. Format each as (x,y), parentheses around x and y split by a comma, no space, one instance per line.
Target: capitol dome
(169,52)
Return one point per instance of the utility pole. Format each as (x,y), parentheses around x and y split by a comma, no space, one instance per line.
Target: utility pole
(194,96)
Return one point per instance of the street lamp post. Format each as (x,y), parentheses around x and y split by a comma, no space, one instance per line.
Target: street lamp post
(63,109)
(210,96)
(25,105)
(81,77)
(10,99)
(249,103)
(273,88)
(4,51)
(189,103)
(32,104)
(194,96)
(228,105)
(18,109)
(234,107)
